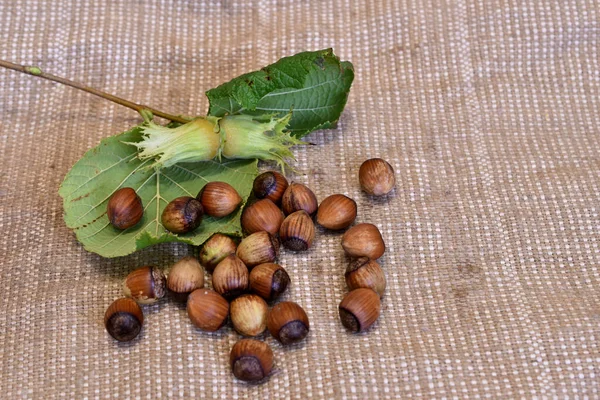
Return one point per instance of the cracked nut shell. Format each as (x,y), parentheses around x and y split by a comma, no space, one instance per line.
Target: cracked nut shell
(207,309)
(360,309)
(270,185)
(251,360)
(269,280)
(182,215)
(145,285)
(124,208)
(288,322)
(124,319)
(219,199)
(297,231)
(363,240)
(262,215)
(248,314)
(365,273)
(336,212)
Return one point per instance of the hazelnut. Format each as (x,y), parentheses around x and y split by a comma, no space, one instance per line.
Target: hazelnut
(219,199)
(182,215)
(269,280)
(262,215)
(288,322)
(376,177)
(336,212)
(230,277)
(185,276)
(360,309)
(124,208)
(207,309)
(297,231)
(251,360)
(123,319)
(145,285)
(215,250)
(365,273)
(363,240)
(270,185)
(299,197)
(248,315)
(258,248)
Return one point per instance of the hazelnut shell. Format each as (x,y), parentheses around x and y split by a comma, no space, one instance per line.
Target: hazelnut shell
(288,322)
(336,212)
(297,231)
(251,360)
(376,177)
(215,250)
(185,276)
(207,309)
(145,285)
(230,277)
(124,319)
(262,215)
(258,248)
(363,240)
(219,199)
(270,185)
(248,314)
(182,215)
(124,208)
(360,309)
(269,280)
(299,197)
(365,273)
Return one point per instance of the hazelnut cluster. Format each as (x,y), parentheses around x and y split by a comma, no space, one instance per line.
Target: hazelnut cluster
(245,276)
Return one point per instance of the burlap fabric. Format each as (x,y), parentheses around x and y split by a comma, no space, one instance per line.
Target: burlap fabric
(488,111)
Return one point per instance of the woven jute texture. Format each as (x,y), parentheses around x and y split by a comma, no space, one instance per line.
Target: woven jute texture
(489,112)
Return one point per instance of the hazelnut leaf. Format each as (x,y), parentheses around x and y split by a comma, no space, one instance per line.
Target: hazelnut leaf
(313,85)
(112,165)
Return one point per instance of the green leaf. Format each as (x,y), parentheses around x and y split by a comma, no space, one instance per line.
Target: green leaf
(314,85)
(113,165)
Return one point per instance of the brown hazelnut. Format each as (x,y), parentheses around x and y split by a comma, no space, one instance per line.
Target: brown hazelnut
(145,285)
(230,277)
(219,199)
(124,319)
(376,177)
(336,212)
(360,309)
(251,360)
(182,215)
(270,185)
(365,273)
(262,215)
(299,197)
(258,248)
(124,208)
(288,322)
(248,314)
(215,250)
(363,240)
(269,280)
(207,309)
(185,276)
(297,231)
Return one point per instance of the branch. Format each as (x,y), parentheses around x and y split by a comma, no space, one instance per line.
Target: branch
(35,71)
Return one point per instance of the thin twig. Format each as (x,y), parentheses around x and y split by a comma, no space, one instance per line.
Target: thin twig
(35,71)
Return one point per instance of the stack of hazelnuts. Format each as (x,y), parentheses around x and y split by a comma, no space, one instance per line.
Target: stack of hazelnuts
(245,276)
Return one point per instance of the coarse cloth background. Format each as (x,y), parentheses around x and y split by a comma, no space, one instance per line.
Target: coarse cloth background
(489,112)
